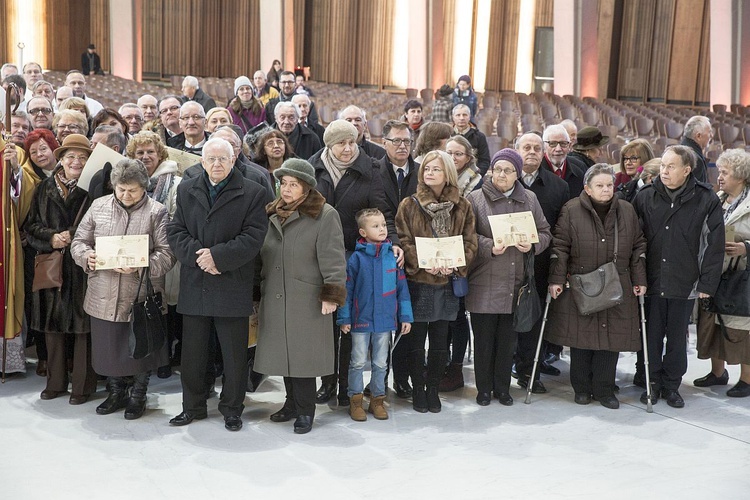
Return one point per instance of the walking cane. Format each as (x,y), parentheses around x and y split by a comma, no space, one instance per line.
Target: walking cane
(649,406)
(7,214)
(393,347)
(530,385)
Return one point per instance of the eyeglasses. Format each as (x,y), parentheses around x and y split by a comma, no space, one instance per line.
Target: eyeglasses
(434,170)
(79,158)
(398,142)
(72,127)
(132,118)
(633,159)
(554,144)
(170,109)
(214,159)
(274,143)
(456,154)
(507,171)
(672,168)
(40,111)
(195,118)
(287,82)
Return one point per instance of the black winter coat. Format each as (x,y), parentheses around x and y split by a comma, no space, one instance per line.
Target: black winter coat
(203,99)
(58,311)
(305,142)
(233,229)
(700,171)
(573,174)
(246,169)
(685,239)
(360,187)
(390,182)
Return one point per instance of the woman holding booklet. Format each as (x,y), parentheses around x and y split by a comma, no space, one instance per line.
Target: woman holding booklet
(111,292)
(497,271)
(436,210)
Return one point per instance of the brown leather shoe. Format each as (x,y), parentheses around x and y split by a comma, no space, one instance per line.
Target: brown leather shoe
(41,368)
(78,399)
(50,394)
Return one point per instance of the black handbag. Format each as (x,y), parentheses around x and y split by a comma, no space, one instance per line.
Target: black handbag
(732,297)
(600,289)
(528,308)
(147,324)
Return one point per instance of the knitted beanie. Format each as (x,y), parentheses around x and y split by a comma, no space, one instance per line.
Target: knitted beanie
(339,130)
(509,155)
(240,81)
(298,168)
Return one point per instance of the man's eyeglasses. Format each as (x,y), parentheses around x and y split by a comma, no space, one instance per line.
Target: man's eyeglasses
(195,118)
(170,109)
(287,82)
(40,111)
(398,142)
(214,159)
(554,144)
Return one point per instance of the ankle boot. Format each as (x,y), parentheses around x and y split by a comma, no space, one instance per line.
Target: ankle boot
(377,408)
(453,378)
(137,402)
(117,398)
(419,399)
(435,366)
(433,400)
(355,408)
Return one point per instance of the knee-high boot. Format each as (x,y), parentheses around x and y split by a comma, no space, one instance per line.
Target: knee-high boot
(416,371)
(436,360)
(137,402)
(118,396)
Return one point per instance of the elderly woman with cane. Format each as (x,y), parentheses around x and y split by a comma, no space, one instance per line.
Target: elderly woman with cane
(596,231)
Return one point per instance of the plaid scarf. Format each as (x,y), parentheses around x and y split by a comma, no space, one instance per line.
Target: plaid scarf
(64,185)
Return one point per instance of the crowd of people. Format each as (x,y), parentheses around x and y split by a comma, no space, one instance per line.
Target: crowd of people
(352,253)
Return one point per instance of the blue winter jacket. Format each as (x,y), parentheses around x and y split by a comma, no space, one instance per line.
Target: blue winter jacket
(377,296)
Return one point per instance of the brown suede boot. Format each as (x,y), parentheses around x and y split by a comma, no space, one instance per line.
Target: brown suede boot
(377,408)
(453,378)
(355,408)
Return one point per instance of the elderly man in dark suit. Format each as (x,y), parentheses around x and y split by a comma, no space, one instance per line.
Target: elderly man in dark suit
(552,193)
(217,231)
(557,145)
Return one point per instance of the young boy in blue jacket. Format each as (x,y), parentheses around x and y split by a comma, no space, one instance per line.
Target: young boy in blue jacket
(377,299)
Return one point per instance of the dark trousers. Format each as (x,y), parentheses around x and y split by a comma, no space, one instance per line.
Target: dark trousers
(494,343)
(174,334)
(196,336)
(458,334)
(343,355)
(436,357)
(399,362)
(300,395)
(667,318)
(593,372)
(83,376)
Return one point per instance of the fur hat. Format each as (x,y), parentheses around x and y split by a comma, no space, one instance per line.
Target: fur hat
(509,155)
(240,81)
(73,141)
(298,168)
(339,130)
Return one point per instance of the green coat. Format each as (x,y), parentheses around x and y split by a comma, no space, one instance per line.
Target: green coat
(303,264)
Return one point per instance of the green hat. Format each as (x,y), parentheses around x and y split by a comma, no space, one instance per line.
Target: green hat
(298,168)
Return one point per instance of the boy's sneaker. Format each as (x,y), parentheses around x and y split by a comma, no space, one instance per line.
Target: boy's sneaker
(377,408)
(355,408)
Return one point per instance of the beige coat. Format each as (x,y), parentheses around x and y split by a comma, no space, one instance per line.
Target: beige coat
(110,295)
(303,265)
(740,219)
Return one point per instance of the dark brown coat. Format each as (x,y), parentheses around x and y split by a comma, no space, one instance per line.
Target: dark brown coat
(581,243)
(412,222)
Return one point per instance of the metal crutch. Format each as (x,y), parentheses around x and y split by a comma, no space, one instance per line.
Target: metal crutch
(530,384)
(649,406)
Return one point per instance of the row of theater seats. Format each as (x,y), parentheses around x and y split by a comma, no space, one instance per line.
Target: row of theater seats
(502,115)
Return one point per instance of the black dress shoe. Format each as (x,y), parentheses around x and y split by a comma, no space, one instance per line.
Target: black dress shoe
(285,414)
(403,389)
(654,397)
(185,418)
(582,398)
(673,398)
(164,371)
(504,398)
(303,424)
(78,399)
(233,423)
(343,399)
(610,402)
(639,380)
(741,390)
(514,371)
(50,394)
(484,399)
(325,393)
(551,358)
(712,379)
(537,388)
(548,369)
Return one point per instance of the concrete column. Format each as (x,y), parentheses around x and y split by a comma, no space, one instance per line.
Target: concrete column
(567,62)
(723,48)
(588,70)
(125,34)
(271,34)
(744,55)
(418,50)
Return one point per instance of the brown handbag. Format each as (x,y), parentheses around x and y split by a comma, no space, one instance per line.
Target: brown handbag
(48,267)
(48,270)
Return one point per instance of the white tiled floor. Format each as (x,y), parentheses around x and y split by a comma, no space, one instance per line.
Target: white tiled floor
(549,449)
